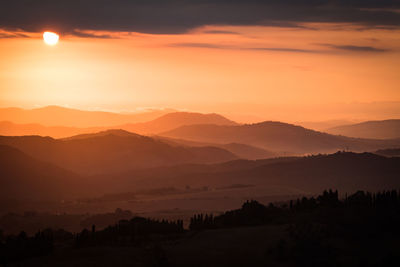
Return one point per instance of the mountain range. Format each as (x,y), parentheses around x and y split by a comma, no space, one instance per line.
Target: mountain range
(112,151)
(277,136)
(345,171)
(185,150)
(57,129)
(25,177)
(61,116)
(243,151)
(173,120)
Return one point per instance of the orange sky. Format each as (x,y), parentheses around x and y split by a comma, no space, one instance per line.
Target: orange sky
(310,73)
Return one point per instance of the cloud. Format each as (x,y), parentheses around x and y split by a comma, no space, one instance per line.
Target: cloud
(283,49)
(179,16)
(220,46)
(83,34)
(201,45)
(6,35)
(355,48)
(351,48)
(220,32)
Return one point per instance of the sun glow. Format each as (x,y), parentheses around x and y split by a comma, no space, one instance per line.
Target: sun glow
(50,38)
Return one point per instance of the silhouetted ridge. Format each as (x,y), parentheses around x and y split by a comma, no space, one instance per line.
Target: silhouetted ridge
(254,213)
(321,230)
(111,132)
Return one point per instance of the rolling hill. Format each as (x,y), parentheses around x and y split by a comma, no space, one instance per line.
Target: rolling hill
(243,151)
(13,129)
(345,171)
(386,129)
(176,119)
(24,178)
(61,116)
(112,151)
(323,125)
(69,122)
(278,137)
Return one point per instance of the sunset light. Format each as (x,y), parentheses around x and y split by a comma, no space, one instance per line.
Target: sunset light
(200,133)
(50,38)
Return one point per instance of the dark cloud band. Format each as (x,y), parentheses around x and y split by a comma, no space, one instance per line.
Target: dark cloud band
(179,16)
(349,48)
(355,48)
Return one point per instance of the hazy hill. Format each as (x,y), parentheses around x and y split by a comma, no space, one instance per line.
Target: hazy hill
(323,125)
(277,136)
(345,171)
(60,116)
(176,119)
(247,151)
(23,178)
(68,122)
(112,151)
(386,129)
(241,150)
(13,129)
(113,132)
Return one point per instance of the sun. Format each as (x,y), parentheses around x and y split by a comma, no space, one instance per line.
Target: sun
(50,38)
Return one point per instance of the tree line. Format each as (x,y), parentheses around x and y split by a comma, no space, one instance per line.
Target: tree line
(310,220)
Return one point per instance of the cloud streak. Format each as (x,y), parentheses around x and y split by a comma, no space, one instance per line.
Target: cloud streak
(283,49)
(271,49)
(220,32)
(355,48)
(334,48)
(7,35)
(178,16)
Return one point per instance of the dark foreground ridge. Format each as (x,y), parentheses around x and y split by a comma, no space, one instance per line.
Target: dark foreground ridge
(359,230)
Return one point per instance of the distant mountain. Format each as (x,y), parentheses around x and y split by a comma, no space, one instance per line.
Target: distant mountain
(60,116)
(25,178)
(96,121)
(277,136)
(323,125)
(12,129)
(386,129)
(176,119)
(344,171)
(247,151)
(112,151)
(241,150)
(113,132)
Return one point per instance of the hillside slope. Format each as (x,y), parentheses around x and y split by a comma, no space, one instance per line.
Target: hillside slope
(61,116)
(386,129)
(277,136)
(176,119)
(25,178)
(112,151)
(344,171)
